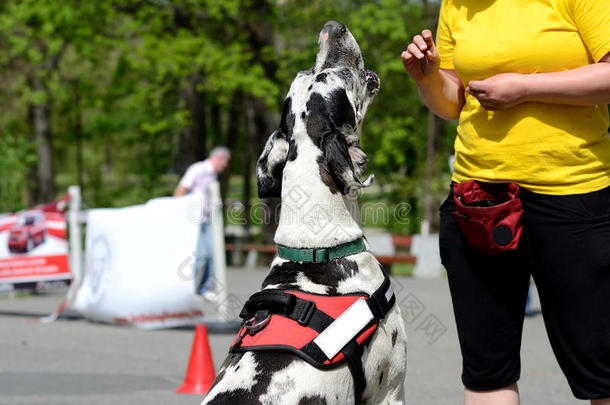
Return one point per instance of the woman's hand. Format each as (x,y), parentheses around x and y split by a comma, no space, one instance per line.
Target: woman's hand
(440,89)
(421,59)
(499,92)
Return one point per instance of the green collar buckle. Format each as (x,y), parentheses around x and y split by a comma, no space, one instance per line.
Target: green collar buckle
(322,255)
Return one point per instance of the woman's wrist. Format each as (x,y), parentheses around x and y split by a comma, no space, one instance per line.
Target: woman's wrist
(428,80)
(518,88)
(523,86)
(429,86)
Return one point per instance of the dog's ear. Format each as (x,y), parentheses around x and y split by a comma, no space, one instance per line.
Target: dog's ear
(340,144)
(270,165)
(340,165)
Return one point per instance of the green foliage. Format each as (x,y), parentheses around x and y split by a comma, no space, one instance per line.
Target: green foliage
(115,74)
(16,156)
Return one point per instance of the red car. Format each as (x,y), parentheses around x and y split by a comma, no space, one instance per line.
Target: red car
(29,232)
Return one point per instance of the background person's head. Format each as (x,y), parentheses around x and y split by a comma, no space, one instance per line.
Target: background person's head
(219,158)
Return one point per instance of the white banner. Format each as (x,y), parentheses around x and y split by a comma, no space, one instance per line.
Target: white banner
(139,263)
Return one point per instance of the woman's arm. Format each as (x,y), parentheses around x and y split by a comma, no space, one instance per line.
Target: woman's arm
(443,93)
(586,85)
(440,89)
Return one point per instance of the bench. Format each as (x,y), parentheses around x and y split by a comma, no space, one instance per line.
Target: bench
(401,242)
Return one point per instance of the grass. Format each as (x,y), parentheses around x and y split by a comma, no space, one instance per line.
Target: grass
(402,269)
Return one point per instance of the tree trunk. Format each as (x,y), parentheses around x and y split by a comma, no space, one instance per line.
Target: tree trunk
(262,130)
(78,137)
(436,127)
(215,121)
(216,134)
(192,144)
(260,37)
(250,138)
(43,137)
(230,140)
(33,188)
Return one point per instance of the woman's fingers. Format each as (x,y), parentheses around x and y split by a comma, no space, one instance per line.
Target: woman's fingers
(421,57)
(475,86)
(474,92)
(485,102)
(415,51)
(407,59)
(476,89)
(420,42)
(427,37)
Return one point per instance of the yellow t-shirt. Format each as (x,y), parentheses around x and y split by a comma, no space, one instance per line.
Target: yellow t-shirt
(546,148)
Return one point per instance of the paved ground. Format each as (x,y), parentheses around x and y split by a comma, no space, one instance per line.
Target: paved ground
(78,362)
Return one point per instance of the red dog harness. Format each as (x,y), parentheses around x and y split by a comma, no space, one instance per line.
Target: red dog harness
(323,330)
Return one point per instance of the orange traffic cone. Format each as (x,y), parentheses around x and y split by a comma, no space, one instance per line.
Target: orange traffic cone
(200,372)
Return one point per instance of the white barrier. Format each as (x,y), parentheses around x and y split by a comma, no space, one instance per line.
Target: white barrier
(139,264)
(74,225)
(428,263)
(219,254)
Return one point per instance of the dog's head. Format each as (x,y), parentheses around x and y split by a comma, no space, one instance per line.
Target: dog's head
(325,106)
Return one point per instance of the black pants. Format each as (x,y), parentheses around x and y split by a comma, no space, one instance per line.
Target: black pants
(566,247)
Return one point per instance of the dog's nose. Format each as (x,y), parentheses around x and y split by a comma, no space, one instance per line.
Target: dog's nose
(334,26)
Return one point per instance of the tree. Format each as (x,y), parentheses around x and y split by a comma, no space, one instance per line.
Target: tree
(37,35)
(124,94)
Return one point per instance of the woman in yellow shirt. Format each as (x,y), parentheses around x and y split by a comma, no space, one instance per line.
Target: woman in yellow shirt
(529,81)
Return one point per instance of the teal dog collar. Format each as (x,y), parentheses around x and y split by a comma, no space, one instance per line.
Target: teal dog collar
(322,255)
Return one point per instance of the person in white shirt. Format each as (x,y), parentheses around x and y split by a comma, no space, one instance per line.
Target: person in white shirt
(197,179)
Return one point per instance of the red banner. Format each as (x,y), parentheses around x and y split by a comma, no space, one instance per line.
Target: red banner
(33,245)
(35,268)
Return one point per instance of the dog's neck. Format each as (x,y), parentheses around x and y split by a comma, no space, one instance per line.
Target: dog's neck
(312,216)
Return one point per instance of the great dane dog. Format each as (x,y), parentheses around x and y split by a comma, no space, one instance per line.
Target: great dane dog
(314,162)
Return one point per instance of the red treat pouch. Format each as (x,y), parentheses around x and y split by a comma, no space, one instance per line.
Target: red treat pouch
(489,215)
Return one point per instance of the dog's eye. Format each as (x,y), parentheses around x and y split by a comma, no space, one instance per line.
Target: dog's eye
(343,30)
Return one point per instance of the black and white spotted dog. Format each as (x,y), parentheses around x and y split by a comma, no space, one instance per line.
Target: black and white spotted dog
(314,161)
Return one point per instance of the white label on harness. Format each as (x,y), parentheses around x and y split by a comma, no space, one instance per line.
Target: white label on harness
(389,293)
(344,328)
